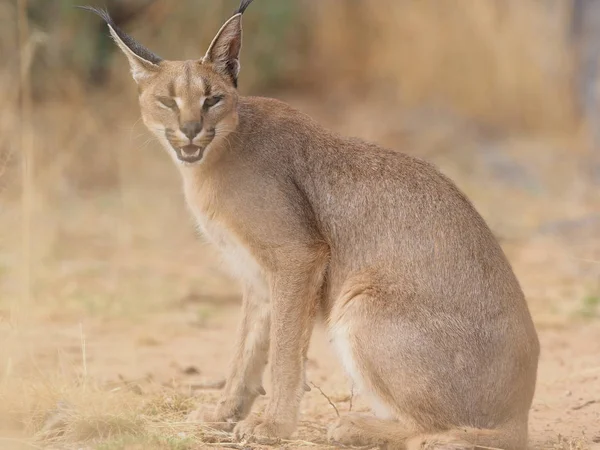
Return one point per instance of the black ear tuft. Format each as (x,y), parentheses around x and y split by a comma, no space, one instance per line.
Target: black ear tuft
(132,44)
(243,6)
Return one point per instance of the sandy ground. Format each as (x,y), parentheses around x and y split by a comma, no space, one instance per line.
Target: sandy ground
(173,351)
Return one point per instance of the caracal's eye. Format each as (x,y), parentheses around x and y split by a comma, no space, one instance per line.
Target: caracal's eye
(212,101)
(168,102)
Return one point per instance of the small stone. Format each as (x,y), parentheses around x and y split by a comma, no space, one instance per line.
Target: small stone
(191,370)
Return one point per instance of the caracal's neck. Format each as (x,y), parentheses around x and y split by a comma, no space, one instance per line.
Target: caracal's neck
(205,173)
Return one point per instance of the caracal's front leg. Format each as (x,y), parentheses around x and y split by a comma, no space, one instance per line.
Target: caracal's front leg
(244,379)
(294,302)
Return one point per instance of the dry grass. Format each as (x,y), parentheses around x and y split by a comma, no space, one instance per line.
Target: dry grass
(565,443)
(58,415)
(494,61)
(61,414)
(508,63)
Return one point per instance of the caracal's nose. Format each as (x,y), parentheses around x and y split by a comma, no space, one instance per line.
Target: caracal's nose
(191,129)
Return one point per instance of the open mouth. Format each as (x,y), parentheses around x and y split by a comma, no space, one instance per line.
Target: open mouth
(190,153)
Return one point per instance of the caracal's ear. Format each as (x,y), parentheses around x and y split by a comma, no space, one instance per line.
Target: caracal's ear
(224,51)
(142,61)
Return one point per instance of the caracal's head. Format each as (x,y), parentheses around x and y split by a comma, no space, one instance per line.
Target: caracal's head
(191,106)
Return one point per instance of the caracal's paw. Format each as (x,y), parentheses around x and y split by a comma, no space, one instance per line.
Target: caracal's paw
(262,430)
(348,430)
(213,417)
(345,432)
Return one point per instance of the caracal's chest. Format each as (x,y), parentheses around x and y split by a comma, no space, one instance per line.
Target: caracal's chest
(237,257)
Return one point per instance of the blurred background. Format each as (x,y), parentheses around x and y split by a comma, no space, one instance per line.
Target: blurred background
(502,95)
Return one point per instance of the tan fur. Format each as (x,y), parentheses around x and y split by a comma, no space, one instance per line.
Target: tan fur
(420,301)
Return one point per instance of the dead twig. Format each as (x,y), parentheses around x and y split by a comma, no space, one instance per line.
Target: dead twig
(27,163)
(583,405)
(208,385)
(226,445)
(328,399)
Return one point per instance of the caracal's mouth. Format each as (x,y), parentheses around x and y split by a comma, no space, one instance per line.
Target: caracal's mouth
(189,153)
